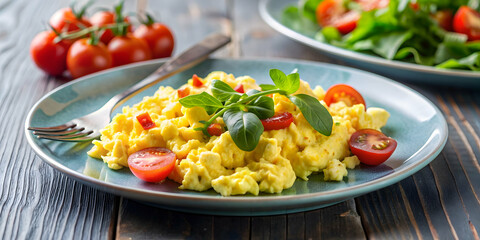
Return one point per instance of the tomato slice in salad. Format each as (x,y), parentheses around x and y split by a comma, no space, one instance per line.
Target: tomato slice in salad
(215,129)
(152,164)
(368,5)
(467,21)
(344,93)
(371,146)
(333,13)
(279,121)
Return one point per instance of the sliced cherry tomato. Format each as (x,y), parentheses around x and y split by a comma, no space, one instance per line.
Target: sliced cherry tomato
(146,121)
(65,20)
(84,58)
(104,18)
(183,92)
(333,13)
(158,37)
(128,49)
(49,56)
(152,164)
(215,129)
(371,146)
(239,88)
(368,5)
(444,19)
(196,82)
(279,121)
(344,93)
(467,21)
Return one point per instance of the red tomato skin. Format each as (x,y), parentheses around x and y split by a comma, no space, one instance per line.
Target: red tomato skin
(49,56)
(444,19)
(466,21)
(104,18)
(369,156)
(64,20)
(347,22)
(158,37)
(277,122)
(239,88)
(146,121)
(152,164)
(183,92)
(84,58)
(215,129)
(128,49)
(368,5)
(196,82)
(353,95)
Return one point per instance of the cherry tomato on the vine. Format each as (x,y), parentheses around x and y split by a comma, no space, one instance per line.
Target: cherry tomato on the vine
(344,93)
(49,56)
(152,164)
(158,37)
(279,121)
(105,18)
(371,146)
(65,20)
(84,58)
(467,21)
(128,49)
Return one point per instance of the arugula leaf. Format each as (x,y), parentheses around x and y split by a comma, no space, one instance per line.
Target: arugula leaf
(471,62)
(314,112)
(245,128)
(200,100)
(222,91)
(289,84)
(263,107)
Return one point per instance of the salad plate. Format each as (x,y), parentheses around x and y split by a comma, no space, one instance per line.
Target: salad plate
(272,11)
(418,126)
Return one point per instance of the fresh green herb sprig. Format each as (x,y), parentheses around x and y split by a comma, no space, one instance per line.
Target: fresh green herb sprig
(242,113)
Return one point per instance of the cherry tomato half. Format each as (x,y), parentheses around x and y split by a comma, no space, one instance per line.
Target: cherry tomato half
(371,146)
(104,18)
(344,93)
(128,49)
(49,56)
(146,121)
(333,13)
(65,20)
(279,121)
(84,58)
(152,164)
(467,21)
(215,129)
(158,37)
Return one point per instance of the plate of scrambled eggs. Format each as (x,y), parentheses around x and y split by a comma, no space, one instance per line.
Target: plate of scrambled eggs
(291,169)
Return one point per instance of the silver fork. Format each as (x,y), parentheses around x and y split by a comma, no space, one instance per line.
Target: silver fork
(88,127)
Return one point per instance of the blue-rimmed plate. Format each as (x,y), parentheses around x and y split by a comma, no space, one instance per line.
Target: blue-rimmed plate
(271,12)
(417,125)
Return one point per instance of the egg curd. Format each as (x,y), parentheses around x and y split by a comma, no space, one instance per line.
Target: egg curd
(216,162)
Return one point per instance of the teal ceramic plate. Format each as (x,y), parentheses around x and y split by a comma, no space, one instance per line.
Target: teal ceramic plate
(417,125)
(271,12)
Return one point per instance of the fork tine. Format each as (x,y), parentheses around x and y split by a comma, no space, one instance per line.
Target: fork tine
(59,128)
(67,132)
(63,137)
(78,139)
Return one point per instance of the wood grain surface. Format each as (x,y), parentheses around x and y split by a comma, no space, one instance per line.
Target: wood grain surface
(441,201)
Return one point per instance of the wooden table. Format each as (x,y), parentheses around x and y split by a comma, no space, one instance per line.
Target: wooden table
(37,202)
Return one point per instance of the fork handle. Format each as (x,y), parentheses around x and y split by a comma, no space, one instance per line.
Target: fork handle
(189,58)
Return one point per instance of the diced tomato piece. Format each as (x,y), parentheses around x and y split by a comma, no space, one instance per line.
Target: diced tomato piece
(239,88)
(146,121)
(183,92)
(279,121)
(215,129)
(467,21)
(196,82)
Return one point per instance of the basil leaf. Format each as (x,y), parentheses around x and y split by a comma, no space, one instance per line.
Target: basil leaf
(289,84)
(233,99)
(251,92)
(221,90)
(200,100)
(266,87)
(244,127)
(314,112)
(263,107)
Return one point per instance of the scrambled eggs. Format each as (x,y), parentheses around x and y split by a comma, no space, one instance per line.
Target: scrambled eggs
(216,162)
